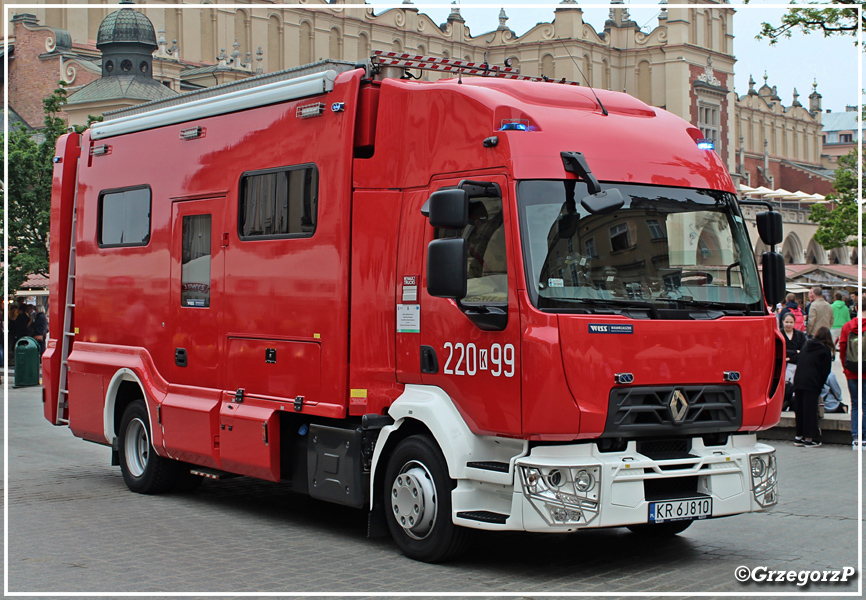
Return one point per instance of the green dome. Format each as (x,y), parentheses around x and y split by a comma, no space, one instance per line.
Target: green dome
(126,25)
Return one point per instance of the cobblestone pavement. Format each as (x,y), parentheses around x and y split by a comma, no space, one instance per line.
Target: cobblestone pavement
(74,527)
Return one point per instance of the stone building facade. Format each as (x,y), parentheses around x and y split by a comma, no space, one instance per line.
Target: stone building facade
(684,63)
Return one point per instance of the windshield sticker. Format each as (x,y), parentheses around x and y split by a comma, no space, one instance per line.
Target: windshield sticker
(555,283)
(609,328)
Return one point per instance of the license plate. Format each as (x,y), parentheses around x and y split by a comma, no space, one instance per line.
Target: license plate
(679,510)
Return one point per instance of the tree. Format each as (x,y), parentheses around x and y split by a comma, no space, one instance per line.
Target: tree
(31,169)
(829,21)
(838,227)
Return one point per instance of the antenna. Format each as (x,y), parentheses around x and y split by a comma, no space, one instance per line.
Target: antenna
(585,78)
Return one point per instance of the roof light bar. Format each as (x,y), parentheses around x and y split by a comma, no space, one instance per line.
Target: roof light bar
(381,58)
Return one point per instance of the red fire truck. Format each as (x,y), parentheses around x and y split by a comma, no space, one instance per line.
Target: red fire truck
(473,303)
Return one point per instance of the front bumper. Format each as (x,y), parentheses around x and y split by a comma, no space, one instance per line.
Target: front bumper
(571,487)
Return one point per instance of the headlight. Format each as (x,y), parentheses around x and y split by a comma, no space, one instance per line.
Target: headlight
(563,495)
(758,467)
(584,481)
(763,469)
(555,478)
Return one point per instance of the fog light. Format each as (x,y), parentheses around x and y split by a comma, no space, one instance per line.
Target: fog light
(758,466)
(532,479)
(583,482)
(554,478)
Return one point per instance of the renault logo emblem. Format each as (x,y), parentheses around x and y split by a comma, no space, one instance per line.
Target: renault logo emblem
(679,406)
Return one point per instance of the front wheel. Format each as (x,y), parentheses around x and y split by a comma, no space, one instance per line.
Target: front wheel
(143,470)
(660,530)
(417,494)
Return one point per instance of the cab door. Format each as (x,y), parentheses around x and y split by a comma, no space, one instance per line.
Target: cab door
(471,346)
(197,271)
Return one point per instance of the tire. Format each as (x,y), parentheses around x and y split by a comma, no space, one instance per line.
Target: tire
(660,530)
(417,500)
(144,472)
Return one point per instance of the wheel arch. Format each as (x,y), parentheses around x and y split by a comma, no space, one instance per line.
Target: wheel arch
(124,388)
(429,410)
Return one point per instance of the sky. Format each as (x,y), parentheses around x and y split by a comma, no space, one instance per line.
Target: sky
(791,63)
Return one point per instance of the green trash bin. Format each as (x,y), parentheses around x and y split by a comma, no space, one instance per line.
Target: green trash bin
(26,362)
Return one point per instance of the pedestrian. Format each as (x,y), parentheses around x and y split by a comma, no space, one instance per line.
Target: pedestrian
(853,307)
(841,315)
(849,350)
(20,325)
(831,396)
(792,307)
(38,326)
(813,367)
(820,312)
(794,342)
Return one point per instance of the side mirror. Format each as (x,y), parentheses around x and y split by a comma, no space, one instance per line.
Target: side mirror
(446,267)
(604,202)
(773,267)
(769,227)
(449,209)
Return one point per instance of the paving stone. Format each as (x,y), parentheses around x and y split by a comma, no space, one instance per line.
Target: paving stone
(74,527)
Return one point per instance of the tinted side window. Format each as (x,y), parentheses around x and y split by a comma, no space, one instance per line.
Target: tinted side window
(195,261)
(279,203)
(124,218)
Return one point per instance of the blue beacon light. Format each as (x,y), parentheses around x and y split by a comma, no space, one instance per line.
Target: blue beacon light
(706,144)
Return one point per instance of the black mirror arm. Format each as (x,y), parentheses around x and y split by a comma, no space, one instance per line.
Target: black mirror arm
(757,203)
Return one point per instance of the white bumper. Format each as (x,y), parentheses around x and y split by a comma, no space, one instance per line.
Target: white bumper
(611,489)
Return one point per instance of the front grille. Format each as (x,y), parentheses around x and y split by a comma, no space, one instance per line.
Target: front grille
(698,409)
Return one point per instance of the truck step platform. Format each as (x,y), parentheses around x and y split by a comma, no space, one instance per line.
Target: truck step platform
(212,473)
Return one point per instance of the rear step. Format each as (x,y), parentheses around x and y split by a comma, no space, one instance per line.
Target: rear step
(212,473)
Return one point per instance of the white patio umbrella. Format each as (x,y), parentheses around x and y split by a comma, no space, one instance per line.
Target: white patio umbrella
(759,191)
(778,194)
(745,189)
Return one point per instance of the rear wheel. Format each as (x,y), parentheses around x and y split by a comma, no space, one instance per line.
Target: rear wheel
(660,530)
(417,495)
(143,470)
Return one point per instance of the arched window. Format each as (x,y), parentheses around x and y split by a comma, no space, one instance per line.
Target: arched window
(335,44)
(363,46)
(605,74)
(274,57)
(305,50)
(547,67)
(587,70)
(172,28)
(398,46)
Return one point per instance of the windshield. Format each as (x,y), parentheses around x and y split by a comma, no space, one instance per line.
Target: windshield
(665,248)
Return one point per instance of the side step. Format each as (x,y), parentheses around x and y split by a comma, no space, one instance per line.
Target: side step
(212,473)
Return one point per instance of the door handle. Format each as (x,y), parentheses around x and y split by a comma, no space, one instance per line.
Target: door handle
(180,357)
(429,362)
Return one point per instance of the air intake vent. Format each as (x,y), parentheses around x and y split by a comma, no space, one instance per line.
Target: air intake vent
(679,411)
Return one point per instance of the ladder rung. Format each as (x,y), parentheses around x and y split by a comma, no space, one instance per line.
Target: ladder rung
(64,391)
(70,306)
(69,333)
(62,421)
